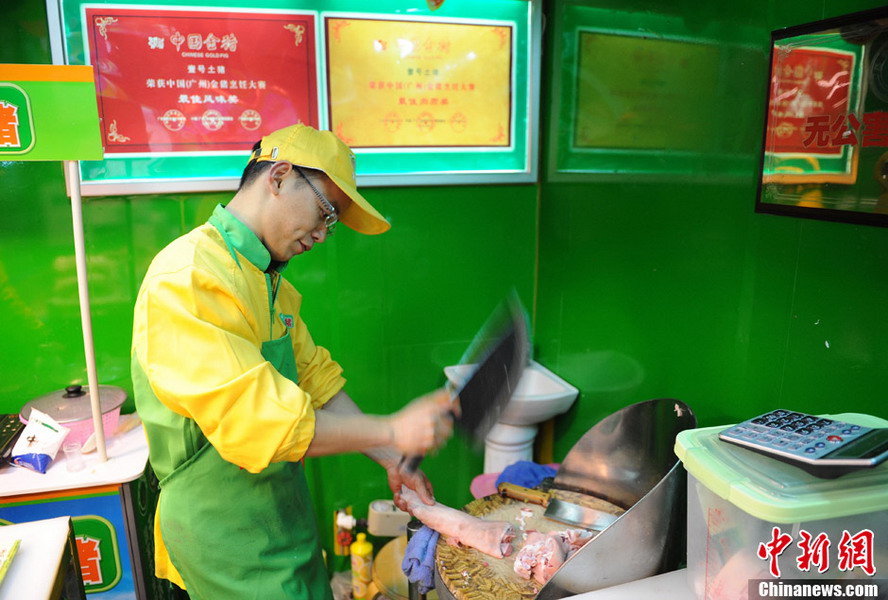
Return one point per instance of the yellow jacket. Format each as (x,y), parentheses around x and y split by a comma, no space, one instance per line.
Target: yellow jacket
(207,304)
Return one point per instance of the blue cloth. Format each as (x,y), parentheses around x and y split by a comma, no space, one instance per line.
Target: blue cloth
(419,559)
(525,473)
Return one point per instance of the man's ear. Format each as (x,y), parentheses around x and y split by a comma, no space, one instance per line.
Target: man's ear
(276,175)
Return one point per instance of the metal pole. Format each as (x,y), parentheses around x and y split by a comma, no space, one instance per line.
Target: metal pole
(413,592)
(86,321)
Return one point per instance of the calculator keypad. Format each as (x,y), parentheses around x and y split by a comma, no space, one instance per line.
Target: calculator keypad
(796,433)
(10,425)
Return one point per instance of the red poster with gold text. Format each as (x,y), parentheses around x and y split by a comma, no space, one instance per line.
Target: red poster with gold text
(807,82)
(173,81)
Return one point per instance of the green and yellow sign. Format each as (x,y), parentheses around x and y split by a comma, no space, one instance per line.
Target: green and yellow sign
(48,112)
(97,552)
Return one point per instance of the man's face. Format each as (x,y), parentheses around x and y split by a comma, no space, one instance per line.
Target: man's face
(297,222)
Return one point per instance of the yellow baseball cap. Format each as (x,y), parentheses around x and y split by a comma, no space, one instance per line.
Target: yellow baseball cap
(306,146)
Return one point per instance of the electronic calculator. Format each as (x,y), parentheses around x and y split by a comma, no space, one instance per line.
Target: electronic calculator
(10,427)
(825,448)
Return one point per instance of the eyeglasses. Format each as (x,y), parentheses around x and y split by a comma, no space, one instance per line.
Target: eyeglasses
(328,211)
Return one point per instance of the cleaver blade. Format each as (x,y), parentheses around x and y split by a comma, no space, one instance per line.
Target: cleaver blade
(574,514)
(557,509)
(485,393)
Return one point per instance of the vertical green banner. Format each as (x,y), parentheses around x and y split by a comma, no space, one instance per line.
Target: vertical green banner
(48,112)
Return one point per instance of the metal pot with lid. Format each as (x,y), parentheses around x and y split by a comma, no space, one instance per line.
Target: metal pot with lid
(71,407)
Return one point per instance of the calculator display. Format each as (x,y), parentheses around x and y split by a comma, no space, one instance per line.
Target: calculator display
(871,445)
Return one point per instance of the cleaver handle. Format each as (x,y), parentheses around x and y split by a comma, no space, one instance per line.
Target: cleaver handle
(519,492)
(411,463)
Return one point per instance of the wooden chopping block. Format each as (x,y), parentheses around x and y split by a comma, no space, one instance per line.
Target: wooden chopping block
(472,575)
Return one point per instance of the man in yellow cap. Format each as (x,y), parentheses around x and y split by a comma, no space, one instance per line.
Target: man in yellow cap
(233,392)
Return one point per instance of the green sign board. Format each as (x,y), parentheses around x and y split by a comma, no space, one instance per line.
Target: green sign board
(48,112)
(640,94)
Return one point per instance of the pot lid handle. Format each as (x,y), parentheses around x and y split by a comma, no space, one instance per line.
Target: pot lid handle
(73,391)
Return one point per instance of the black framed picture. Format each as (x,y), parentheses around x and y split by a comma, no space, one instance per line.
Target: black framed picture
(825,140)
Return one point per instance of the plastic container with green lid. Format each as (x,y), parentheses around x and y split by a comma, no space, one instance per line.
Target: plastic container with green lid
(736,497)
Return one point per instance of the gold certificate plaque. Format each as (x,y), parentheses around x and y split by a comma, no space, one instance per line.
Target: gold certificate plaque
(419,84)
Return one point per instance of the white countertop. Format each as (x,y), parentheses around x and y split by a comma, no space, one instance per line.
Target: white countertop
(32,572)
(127,457)
(668,586)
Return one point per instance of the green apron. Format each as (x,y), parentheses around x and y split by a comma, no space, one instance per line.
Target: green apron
(246,535)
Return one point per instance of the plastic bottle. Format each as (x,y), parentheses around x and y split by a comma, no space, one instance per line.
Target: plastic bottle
(361,566)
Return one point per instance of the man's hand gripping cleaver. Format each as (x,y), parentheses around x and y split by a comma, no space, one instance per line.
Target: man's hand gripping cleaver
(494,363)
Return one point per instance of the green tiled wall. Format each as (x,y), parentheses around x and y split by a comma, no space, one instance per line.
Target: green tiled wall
(667,284)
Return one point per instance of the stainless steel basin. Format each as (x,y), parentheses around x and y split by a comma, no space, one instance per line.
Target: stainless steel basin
(628,459)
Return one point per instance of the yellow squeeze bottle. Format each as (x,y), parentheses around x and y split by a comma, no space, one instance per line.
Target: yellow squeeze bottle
(361,566)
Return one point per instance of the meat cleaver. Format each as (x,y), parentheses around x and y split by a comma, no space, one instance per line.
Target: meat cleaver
(558,509)
(491,382)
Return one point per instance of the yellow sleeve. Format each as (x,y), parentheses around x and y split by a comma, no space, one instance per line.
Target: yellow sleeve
(319,375)
(318,372)
(203,359)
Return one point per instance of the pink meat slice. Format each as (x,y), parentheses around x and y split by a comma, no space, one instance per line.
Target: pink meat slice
(543,554)
(490,537)
(540,556)
(575,539)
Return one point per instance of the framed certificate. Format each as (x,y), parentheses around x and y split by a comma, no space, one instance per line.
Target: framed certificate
(825,148)
(177,81)
(420,84)
(185,92)
(643,96)
(813,90)
(430,98)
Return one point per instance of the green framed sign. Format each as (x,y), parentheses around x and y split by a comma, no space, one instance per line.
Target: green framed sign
(640,95)
(423,97)
(48,112)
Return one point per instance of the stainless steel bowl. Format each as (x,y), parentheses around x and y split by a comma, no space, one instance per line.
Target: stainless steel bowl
(628,459)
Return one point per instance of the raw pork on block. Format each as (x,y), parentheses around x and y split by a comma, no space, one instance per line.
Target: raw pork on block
(490,537)
(543,553)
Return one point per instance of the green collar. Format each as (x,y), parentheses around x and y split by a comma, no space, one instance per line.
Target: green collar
(239,237)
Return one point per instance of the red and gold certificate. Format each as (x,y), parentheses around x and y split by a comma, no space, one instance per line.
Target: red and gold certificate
(807,83)
(200,80)
(419,84)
